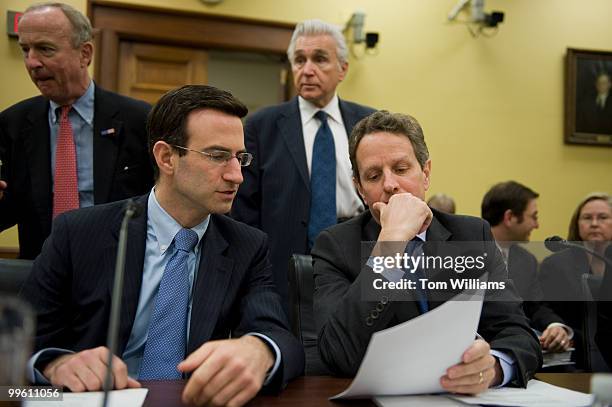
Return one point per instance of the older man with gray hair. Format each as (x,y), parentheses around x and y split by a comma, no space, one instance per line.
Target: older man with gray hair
(300,180)
(74,145)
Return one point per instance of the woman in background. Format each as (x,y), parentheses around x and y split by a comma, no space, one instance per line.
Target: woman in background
(561,273)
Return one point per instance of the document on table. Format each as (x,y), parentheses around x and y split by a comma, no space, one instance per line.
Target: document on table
(537,393)
(410,358)
(117,398)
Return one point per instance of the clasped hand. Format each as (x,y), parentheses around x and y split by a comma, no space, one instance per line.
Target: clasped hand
(224,373)
(402,217)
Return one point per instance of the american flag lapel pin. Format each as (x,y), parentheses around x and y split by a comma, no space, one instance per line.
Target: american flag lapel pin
(108,132)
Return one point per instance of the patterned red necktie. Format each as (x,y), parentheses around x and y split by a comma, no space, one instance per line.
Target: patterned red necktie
(66,190)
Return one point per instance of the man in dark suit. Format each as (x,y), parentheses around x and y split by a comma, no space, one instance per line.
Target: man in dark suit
(512,211)
(107,148)
(283,194)
(392,173)
(594,110)
(194,277)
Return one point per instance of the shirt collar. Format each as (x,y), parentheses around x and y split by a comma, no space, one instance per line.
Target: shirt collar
(308,110)
(165,227)
(84,106)
(505,251)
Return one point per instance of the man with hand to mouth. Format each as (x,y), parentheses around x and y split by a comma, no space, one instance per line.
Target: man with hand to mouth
(392,170)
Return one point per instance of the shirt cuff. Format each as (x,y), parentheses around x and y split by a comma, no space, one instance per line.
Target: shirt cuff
(570,331)
(507,363)
(35,376)
(277,355)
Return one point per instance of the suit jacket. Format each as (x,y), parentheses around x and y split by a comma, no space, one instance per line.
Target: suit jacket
(275,194)
(590,118)
(71,283)
(523,270)
(346,321)
(122,167)
(561,280)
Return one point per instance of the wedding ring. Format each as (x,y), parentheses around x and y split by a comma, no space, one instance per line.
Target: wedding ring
(481,378)
(562,342)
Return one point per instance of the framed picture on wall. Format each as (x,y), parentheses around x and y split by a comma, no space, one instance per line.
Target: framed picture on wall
(588,97)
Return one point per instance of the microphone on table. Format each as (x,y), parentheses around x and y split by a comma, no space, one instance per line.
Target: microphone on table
(557,244)
(132,210)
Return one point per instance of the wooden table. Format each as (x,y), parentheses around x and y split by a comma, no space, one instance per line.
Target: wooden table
(315,391)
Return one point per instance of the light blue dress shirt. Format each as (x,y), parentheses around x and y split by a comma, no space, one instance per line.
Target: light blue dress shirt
(161,229)
(81,118)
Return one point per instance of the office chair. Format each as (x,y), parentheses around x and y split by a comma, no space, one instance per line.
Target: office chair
(301,289)
(13,273)
(590,286)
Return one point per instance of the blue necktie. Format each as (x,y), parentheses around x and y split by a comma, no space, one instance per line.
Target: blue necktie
(166,338)
(415,249)
(322,181)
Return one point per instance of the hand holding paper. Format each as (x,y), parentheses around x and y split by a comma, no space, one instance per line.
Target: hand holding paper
(477,371)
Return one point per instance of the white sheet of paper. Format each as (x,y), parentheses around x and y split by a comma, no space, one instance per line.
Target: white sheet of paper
(537,394)
(410,358)
(117,398)
(416,401)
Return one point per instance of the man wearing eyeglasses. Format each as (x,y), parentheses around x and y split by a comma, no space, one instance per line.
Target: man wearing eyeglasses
(194,277)
(511,209)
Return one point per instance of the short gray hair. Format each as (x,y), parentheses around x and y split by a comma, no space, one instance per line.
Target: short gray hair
(81,27)
(319,27)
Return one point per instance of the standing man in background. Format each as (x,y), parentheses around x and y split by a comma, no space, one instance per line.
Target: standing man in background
(76,144)
(512,211)
(300,180)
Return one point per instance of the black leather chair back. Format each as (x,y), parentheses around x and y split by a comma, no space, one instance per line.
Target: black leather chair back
(301,289)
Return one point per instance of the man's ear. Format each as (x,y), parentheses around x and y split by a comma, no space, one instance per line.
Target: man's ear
(427,173)
(507,219)
(343,70)
(359,189)
(86,53)
(164,157)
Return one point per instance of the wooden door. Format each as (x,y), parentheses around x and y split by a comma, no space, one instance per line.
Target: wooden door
(147,71)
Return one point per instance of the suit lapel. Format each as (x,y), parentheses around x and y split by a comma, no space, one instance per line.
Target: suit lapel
(134,264)
(37,145)
(290,127)
(107,133)
(436,232)
(349,117)
(214,275)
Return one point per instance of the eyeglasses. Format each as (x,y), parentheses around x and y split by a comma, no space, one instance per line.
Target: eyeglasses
(600,218)
(222,157)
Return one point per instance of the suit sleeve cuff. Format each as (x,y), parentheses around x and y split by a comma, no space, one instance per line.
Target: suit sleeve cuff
(570,331)
(35,376)
(507,363)
(277,356)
